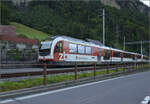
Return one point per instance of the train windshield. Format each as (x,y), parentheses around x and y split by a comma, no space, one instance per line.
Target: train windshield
(45,48)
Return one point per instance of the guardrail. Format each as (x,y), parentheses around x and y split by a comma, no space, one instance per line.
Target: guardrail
(75,70)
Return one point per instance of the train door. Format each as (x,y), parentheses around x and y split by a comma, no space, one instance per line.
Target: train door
(58,52)
(111,55)
(135,58)
(121,55)
(99,54)
(107,55)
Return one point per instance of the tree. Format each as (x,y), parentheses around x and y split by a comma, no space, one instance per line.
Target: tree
(4,14)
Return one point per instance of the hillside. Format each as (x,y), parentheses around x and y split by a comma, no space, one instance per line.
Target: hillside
(111,3)
(25,31)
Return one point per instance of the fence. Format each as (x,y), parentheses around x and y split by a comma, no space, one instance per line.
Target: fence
(18,57)
(74,72)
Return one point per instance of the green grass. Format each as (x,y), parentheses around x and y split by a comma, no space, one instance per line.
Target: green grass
(25,31)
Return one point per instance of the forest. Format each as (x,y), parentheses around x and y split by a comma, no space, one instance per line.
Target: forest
(83,19)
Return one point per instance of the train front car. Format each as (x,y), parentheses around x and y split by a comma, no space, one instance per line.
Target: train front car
(51,49)
(66,49)
(69,49)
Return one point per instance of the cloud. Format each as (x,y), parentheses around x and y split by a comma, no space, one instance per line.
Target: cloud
(147,2)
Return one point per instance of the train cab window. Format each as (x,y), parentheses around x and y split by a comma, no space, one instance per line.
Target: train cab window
(59,47)
(88,50)
(72,48)
(81,49)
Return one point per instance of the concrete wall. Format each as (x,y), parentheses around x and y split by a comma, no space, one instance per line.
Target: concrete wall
(20,46)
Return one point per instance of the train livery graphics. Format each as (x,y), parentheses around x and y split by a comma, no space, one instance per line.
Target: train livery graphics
(62,48)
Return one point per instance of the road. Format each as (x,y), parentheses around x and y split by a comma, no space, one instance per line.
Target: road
(130,89)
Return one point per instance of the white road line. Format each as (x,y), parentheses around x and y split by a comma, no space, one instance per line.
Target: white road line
(60,90)
(6,101)
(146,100)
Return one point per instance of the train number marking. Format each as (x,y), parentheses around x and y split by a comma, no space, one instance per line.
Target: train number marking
(62,56)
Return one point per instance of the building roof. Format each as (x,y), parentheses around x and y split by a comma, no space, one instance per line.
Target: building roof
(18,40)
(7,30)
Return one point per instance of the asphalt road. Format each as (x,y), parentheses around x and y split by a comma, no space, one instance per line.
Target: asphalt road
(130,89)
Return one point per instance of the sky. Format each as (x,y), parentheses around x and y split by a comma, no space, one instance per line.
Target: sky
(147,2)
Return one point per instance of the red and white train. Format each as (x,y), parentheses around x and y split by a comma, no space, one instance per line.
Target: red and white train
(67,49)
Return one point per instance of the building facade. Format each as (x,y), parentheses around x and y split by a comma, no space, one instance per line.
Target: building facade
(9,40)
(13,48)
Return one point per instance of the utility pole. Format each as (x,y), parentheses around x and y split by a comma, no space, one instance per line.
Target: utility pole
(141,48)
(103,26)
(0,56)
(0,15)
(124,42)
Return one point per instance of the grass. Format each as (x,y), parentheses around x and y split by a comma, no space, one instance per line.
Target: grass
(25,31)
(8,86)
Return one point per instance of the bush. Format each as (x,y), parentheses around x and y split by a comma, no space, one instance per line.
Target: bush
(15,54)
(22,36)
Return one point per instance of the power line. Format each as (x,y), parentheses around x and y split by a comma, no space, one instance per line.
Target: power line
(138,42)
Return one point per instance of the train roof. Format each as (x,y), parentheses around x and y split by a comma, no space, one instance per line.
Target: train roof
(74,40)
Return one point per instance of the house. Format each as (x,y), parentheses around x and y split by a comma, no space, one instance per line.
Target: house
(9,39)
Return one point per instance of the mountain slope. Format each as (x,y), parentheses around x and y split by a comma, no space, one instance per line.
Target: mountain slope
(112,3)
(25,31)
(82,20)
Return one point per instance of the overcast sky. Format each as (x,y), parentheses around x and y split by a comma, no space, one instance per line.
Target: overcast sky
(147,2)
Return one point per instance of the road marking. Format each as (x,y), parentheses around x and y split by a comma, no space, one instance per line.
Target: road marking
(60,90)
(6,101)
(146,100)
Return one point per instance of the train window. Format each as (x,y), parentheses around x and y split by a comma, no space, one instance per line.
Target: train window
(45,46)
(121,55)
(88,50)
(126,55)
(81,49)
(117,54)
(106,54)
(146,58)
(59,47)
(72,48)
(133,56)
(138,57)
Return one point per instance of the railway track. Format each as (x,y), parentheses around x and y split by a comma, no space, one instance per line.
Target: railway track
(18,65)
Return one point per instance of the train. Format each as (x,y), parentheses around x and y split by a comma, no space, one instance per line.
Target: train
(64,49)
